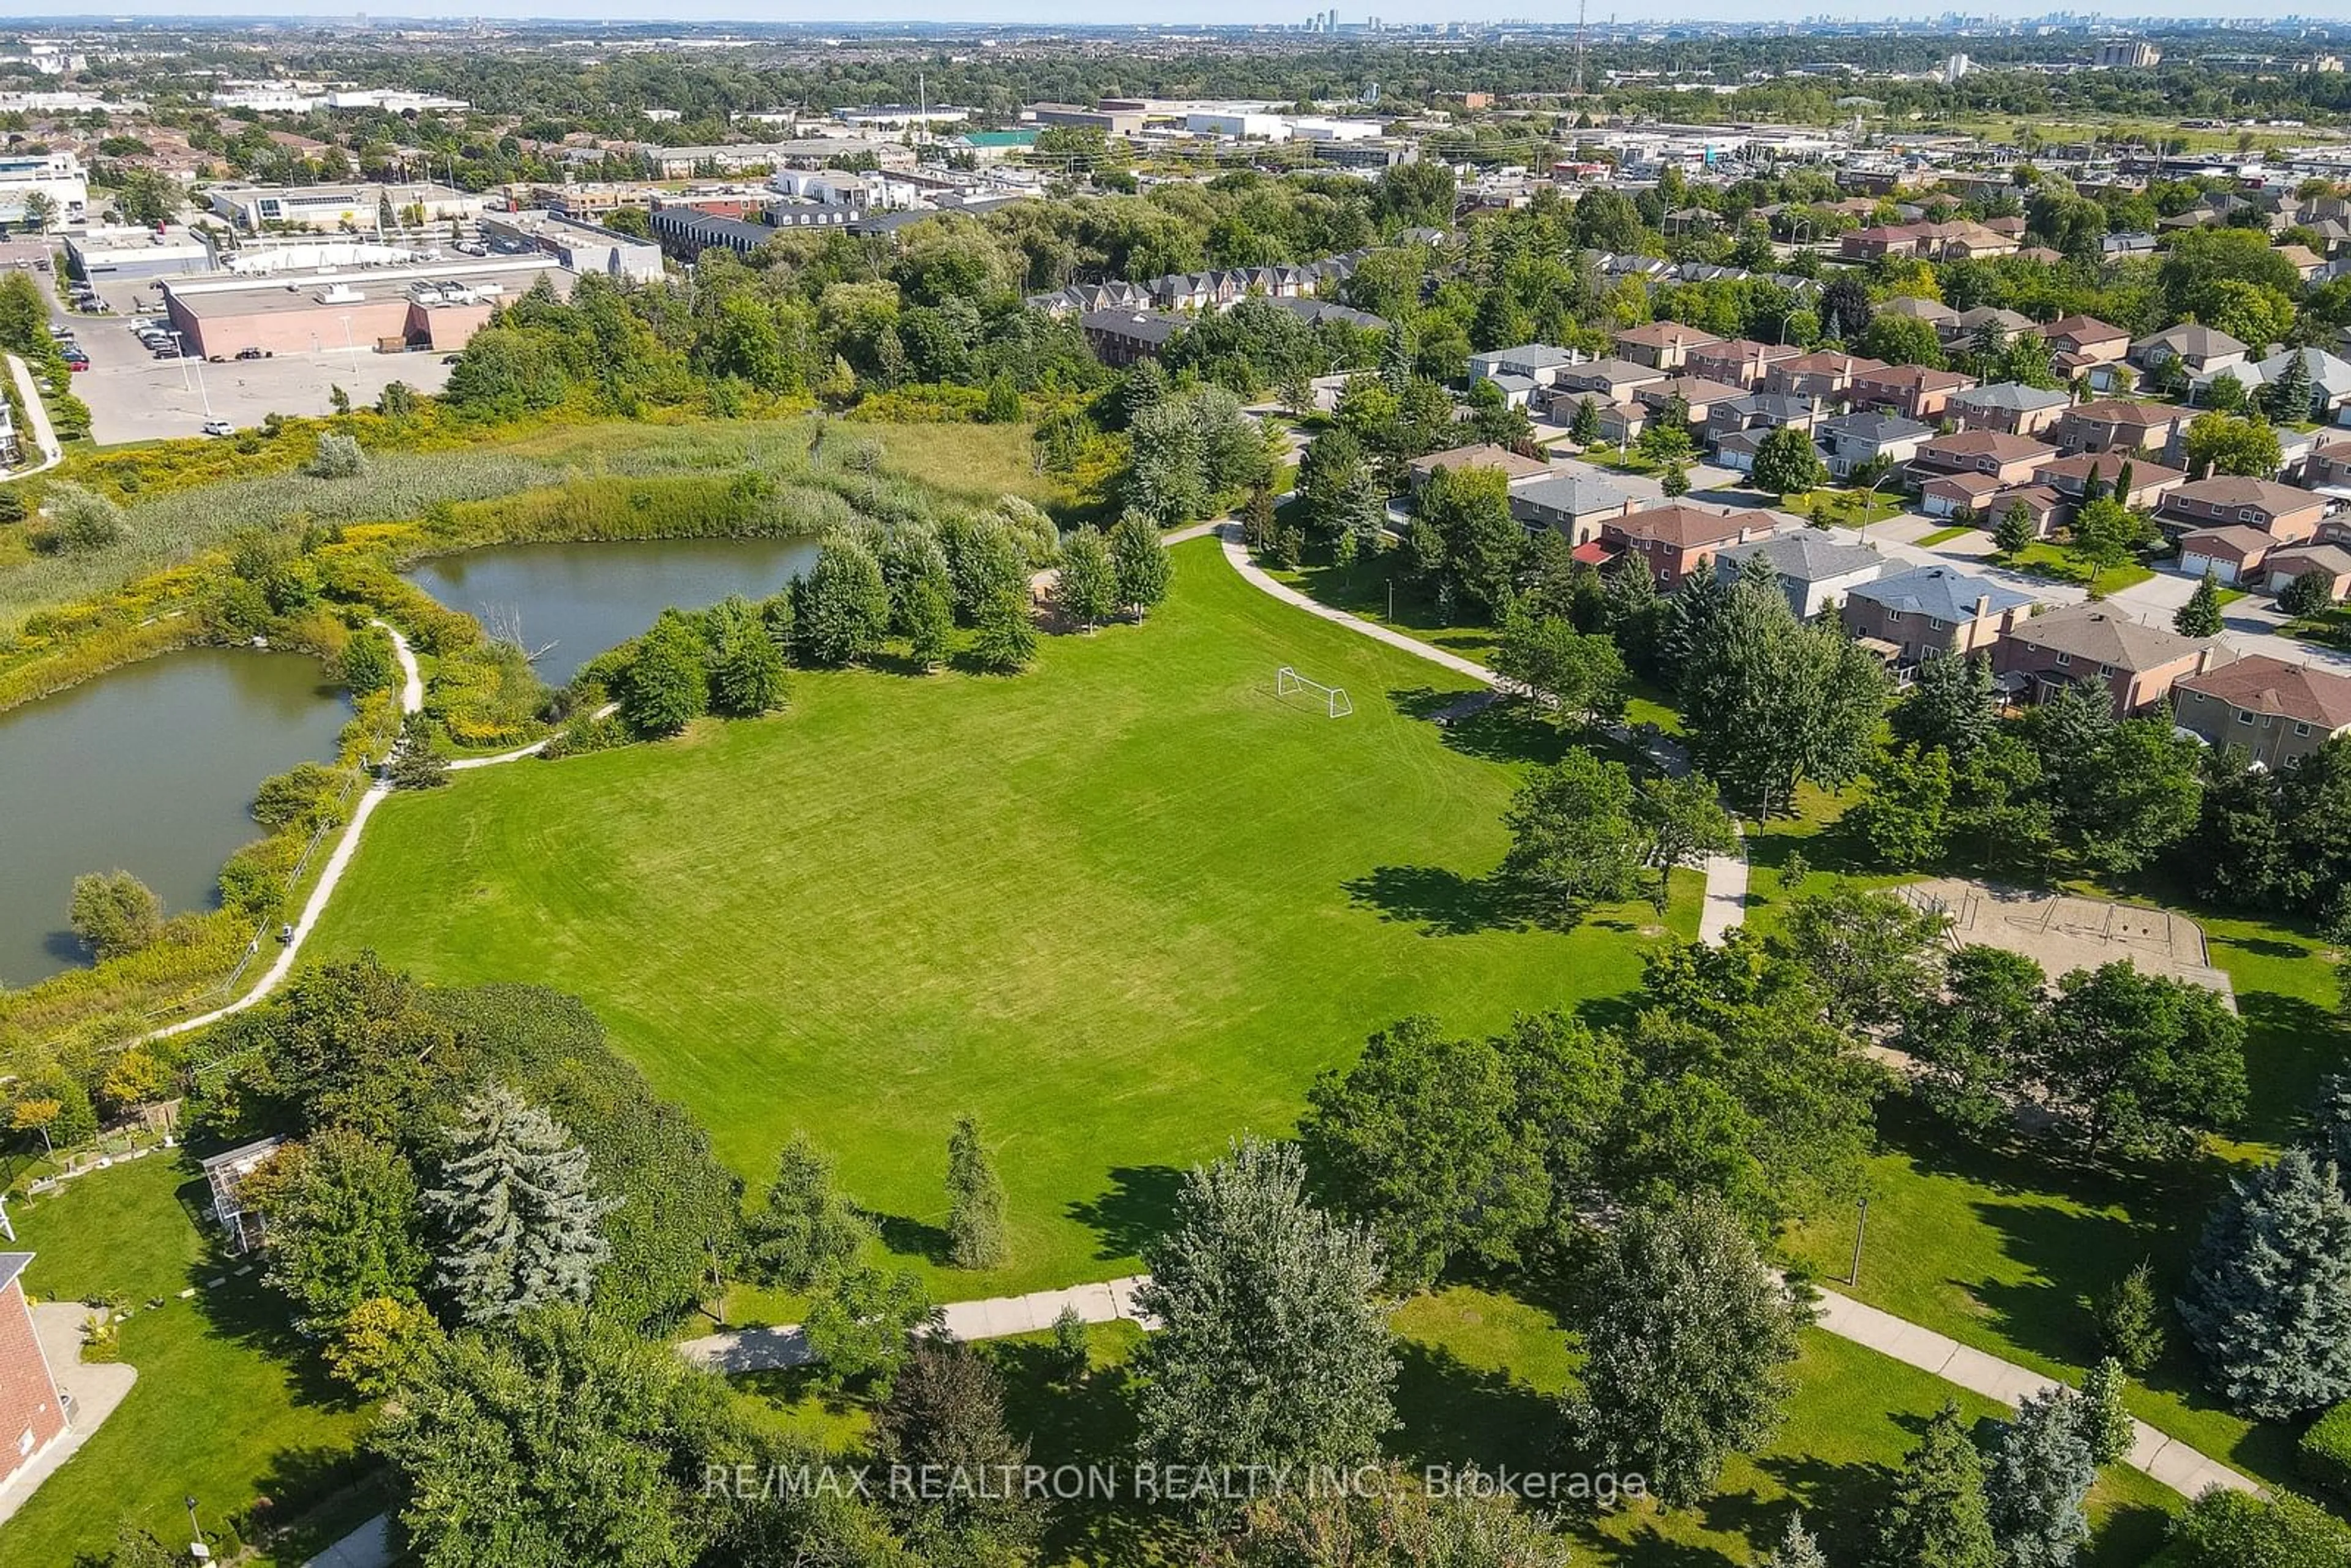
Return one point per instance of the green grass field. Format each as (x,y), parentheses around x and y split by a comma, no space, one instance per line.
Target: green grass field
(228,1409)
(1122,907)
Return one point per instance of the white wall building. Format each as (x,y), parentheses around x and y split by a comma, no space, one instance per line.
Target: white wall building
(57,175)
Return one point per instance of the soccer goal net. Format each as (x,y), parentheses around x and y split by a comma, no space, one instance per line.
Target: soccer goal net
(1288,681)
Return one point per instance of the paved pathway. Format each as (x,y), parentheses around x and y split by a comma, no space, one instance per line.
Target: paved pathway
(998,1317)
(37,414)
(412,700)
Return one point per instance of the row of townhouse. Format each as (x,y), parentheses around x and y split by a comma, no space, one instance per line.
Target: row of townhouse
(1217,288)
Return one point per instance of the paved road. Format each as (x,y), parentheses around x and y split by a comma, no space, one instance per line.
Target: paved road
(37,415)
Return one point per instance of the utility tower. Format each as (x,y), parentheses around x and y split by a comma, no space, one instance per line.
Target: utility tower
(1580,7)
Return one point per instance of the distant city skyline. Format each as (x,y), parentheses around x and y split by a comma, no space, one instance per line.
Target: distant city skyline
(1206,13)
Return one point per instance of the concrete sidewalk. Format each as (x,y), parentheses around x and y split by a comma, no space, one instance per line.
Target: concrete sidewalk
(996,1317)
(94,1388)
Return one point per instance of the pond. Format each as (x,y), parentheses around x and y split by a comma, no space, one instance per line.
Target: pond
(569,602)
(152,769)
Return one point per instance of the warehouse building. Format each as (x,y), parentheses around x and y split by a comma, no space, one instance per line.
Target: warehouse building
(436,306)
(581,246)
(326,208)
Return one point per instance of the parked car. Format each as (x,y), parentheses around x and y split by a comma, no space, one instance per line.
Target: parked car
(168,351)
(255,354)
(77,364)
(219,427)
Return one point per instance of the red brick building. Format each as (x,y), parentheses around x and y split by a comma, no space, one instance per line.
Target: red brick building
(1678,539)
(32,1412)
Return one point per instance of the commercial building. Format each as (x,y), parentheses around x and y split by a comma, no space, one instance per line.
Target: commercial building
(1110,121)
(326,208)
(437,305)
(761,157)
(581,246)
(99,254)
(56,175)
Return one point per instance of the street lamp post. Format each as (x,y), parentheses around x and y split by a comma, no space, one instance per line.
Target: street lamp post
(1860,1228)
(197,1548)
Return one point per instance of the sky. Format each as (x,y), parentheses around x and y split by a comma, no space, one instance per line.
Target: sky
(1214,12)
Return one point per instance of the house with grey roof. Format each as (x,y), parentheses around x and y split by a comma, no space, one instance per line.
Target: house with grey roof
(2203,349)
(1537,362)
(1573,504)
(1858,439)
(1931,612)
(2011,407)
(1814,566)
(2330,378)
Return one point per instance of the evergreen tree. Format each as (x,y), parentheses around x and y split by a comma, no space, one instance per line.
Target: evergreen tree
(945,1420)
(1275,1347)
(1937,1516)
(2289,397)
(1396,358)
(1675,481)
(974,1200)
(2268,1303)
(1088,584)
(1797,1548)
(1686,1343)
(1141,563)
(2015,530)
(1584,428)
(805,1225)
(2201,616)
(2130,1319)
(518,1214)
(1071,1357)
(2105,1418)
(1006,639)
(2039,1478)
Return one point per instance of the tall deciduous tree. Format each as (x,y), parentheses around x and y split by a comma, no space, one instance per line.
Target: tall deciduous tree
(1275,1349)
(1005,634)
(341,1214)
(1976,1037)
(840,609)
(114,913)
(942,1426)
(1579,677)
(2141,1063)
(1087,591)
(1770,702)
(1141,562)
(1787,463)
(1681,823)
(1687,1344)
(1870,952)
(516,1210)
(2268,1303)
(1573,841)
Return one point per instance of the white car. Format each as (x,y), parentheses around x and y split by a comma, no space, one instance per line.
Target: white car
(219,427)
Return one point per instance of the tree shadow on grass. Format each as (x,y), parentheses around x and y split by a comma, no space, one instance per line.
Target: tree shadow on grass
(2291,1043)
(911,1238)
(1480,724)
(1839,1501)
(1451,1413)
(1087,1422)
(310,1498)
(243,1310)
(1133,1212)
(1442,902)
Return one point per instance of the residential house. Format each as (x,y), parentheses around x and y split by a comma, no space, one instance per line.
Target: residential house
(1933,312)
(2136,664)
(1700,396)
(2120,424)
(2285,565)
(1607,381)
(1962,330)
(2126,244)
(1538,363)
(1814,566)
(1662,345)
(2143,486)
(2306,261)
(1677,538)
(2007,459)
(1914,392)
(30,1405)
(1514,465)
(2327,468)
(2287,515)
(1824,375)
(2202,349)
(1856,439)
(2330,378)
(1740,361)
(1931,611)
(2044,508)
(2078,341)
(1121,337)
(2232,555)
(1575,505)
(1957,494)
(2009,406)
(2279,710)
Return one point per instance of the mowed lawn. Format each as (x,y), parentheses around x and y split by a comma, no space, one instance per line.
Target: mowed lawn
(1122,907)
(229,1407)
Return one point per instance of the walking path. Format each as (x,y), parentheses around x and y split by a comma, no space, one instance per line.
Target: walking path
(412,700)
(37,415)
(997,1317)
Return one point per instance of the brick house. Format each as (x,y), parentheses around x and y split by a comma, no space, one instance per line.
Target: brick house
(2283,566)
(1571,504)
(2009,459)
(1122,336)
(2287,515)
(32,1411)
(1826,376)
(1930,611)
(2276,709)
(1661,345)
(1701,396)
(2011,407)
(1607,381)
(1515,465)
(2202,349)
(2121,424)
(1914,392)
(2087,339)
(1741,361)
(2149,482)
(2329,464)
(1814,566)
(1677,540)
(2136,664)
(2044,508)
(1949,495)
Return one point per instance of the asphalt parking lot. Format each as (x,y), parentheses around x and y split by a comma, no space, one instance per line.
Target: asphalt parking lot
(134,396)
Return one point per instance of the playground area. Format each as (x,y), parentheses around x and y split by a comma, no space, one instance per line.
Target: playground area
(2063,932)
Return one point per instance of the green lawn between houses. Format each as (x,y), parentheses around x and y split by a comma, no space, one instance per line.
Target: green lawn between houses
(1122,907)
(228,1408)
(1479,1376)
